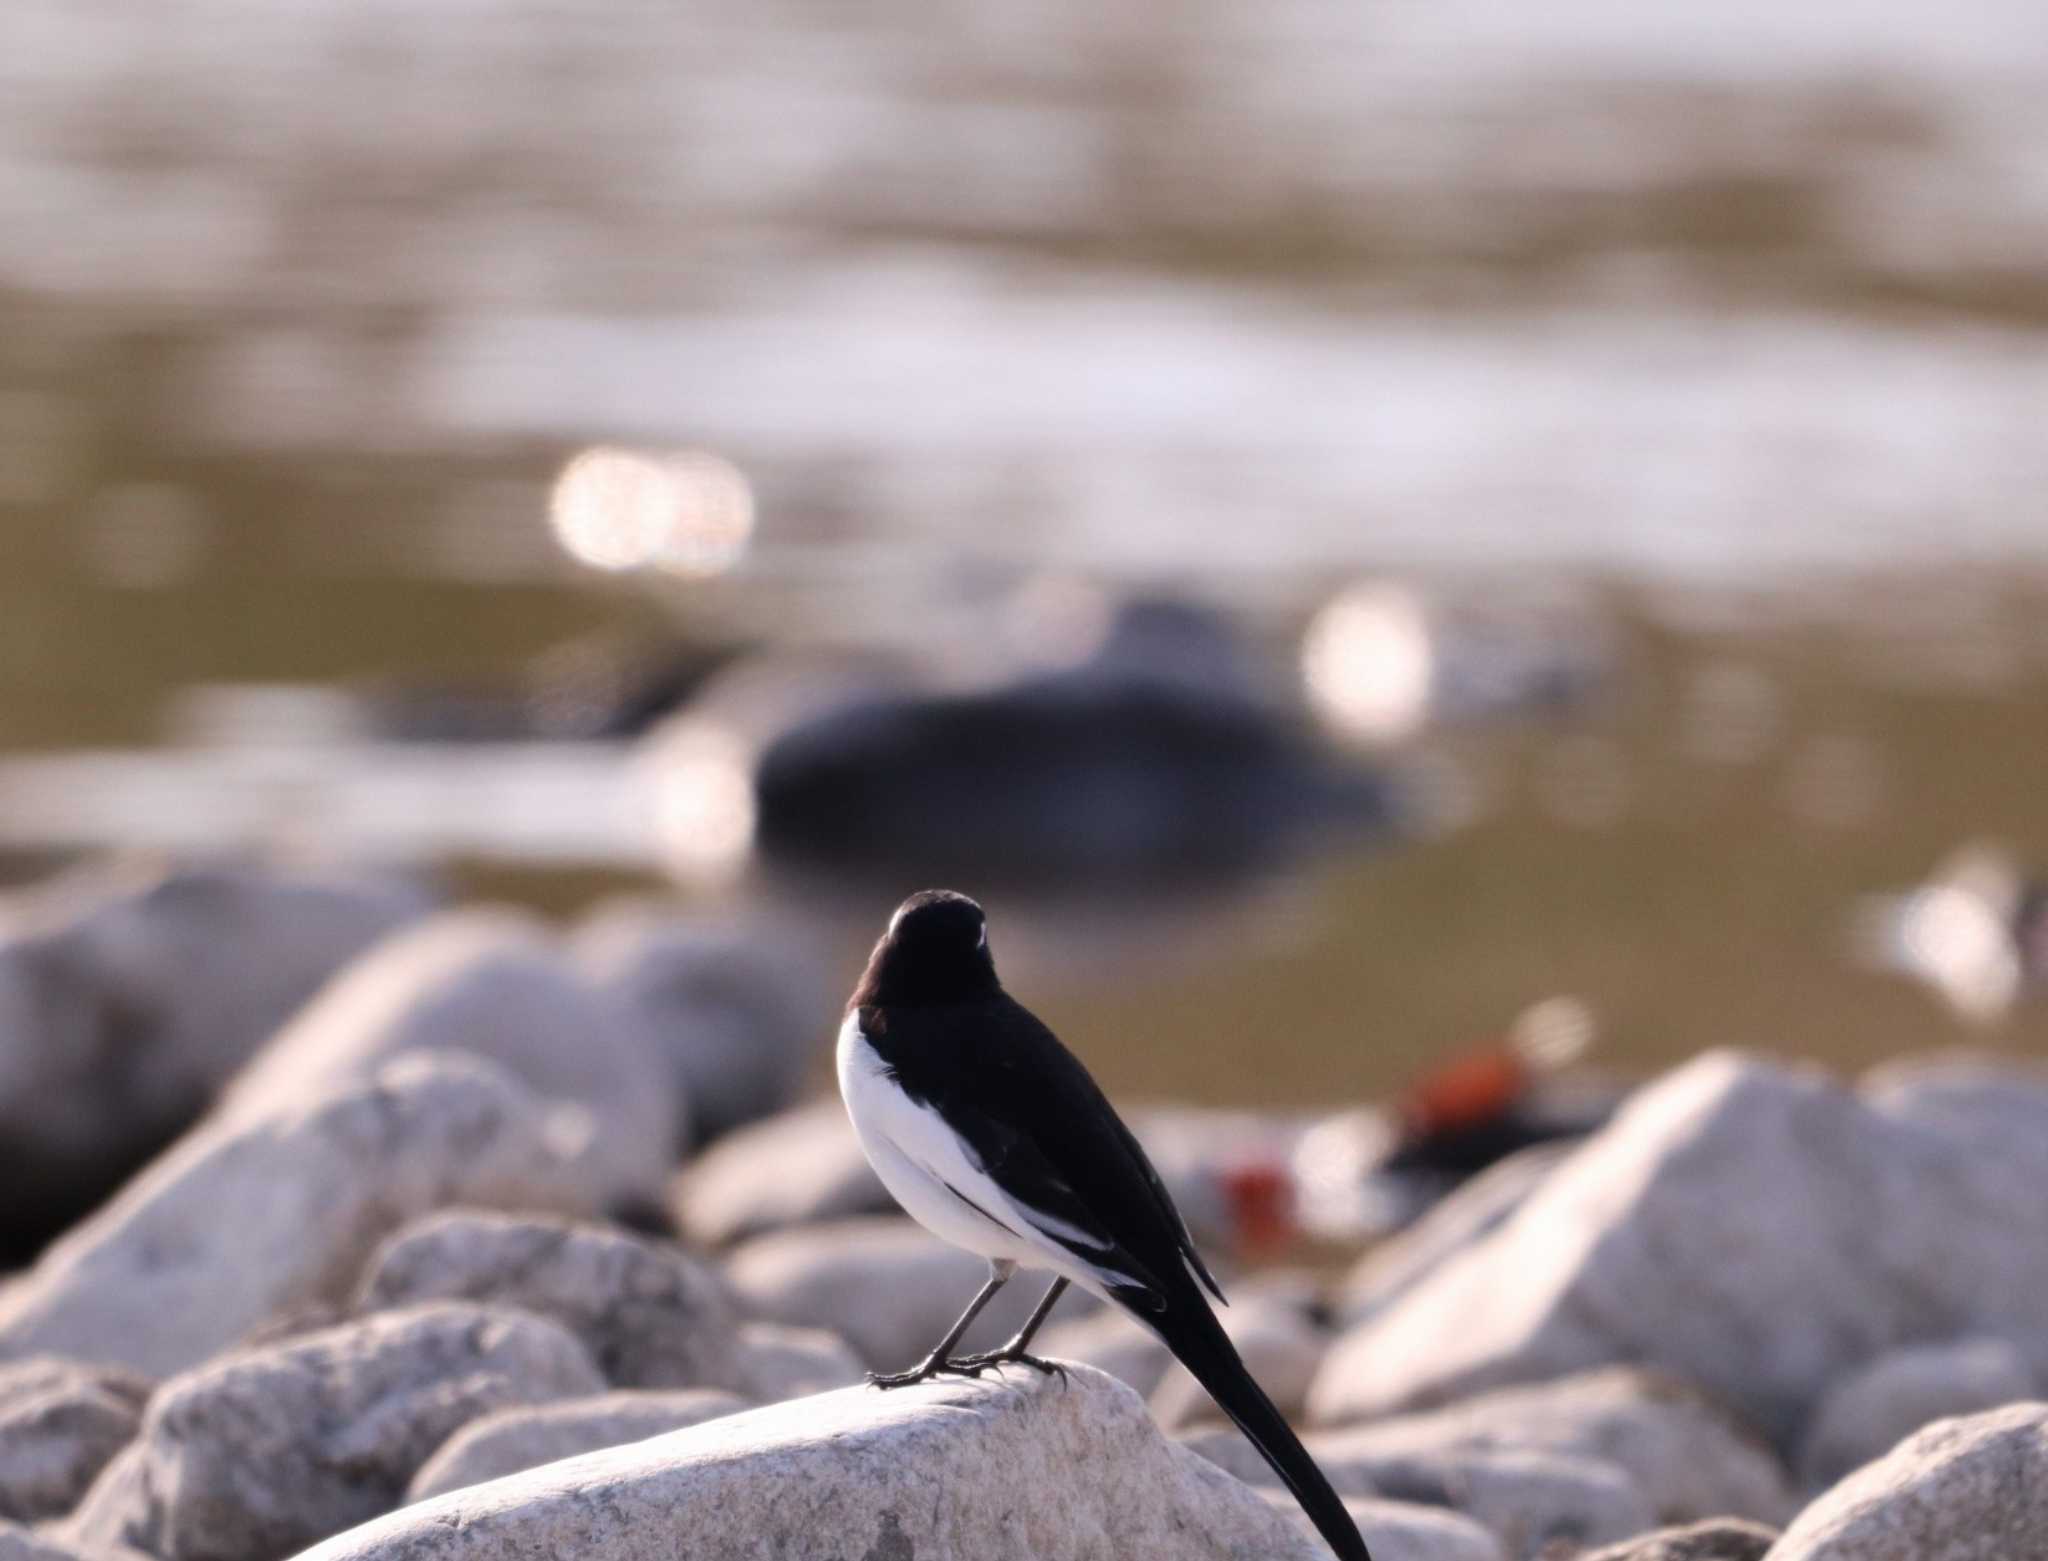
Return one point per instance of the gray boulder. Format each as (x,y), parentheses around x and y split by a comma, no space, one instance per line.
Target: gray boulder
(1687,1455)
(651,1316)
(785,1362)
(885,1285)
(513,1439)
(1454,1223)
(116,1027)
(1872,1410)
(262,1452)
(799,1167)
(1721,1539)
(739,1019)
(1528,1501)
(1757,1230)
(1972,1489)
(60,1423)
(494,984)
(241,1223)
(1005,1470)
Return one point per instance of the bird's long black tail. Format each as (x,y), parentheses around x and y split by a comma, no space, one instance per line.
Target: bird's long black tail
(1199,1343)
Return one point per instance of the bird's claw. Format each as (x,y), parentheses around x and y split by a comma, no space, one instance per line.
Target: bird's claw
(932,1368)
(1008,1357)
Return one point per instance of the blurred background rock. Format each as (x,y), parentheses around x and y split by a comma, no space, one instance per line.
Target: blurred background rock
(1341,522)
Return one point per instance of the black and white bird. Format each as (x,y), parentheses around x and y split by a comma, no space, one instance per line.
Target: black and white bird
(992,1136)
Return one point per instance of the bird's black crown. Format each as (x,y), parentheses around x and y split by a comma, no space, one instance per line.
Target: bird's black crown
(935,951)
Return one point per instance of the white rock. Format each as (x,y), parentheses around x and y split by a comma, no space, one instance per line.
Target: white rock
(264,1451)
(115,974)
(740,1016)
(1024,1469)
(1528,1501)
(785,1362)
(885,1285)
(798,1167)
(650,1315)
(1971,1489)
(1402,1531)
(1755,1229)
(1965,1090)
(60,1423)
(491,983)
(1455,1222)
(1718,1539)
(241,1223)
(1872,1410)
(510,1440)
(1687,1455)
(1280,1346)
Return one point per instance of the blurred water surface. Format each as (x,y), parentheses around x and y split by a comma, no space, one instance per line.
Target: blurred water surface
(1729,325)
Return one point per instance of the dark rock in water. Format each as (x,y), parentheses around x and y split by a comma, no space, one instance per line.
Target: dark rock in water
(1107,773)
(118,1020)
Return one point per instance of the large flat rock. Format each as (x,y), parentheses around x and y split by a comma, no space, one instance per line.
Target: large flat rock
(1023,1468)
(1756,1229)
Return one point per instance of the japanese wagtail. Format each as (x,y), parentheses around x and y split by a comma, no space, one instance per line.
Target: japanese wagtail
(992,1136)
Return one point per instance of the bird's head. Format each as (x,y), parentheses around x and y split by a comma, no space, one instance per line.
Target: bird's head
(934,951)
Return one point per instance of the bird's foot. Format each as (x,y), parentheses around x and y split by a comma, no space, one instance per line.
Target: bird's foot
(1013,1357)
(925,1371)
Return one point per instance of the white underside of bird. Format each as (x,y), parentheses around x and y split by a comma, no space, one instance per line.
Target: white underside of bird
(933,1174)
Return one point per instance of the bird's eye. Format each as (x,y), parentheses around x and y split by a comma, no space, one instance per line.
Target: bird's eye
(982,941)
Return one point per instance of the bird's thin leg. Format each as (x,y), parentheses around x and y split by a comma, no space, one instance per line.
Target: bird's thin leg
(1015,1349)
(936,1363)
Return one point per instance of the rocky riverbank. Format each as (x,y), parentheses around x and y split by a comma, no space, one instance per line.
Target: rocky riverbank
(436,1264)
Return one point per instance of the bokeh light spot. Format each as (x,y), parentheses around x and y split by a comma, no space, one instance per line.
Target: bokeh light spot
(686,514)
(703,790)
(1369,663)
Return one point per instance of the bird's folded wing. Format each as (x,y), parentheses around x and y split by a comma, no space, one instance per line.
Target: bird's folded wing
(1032,1183)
